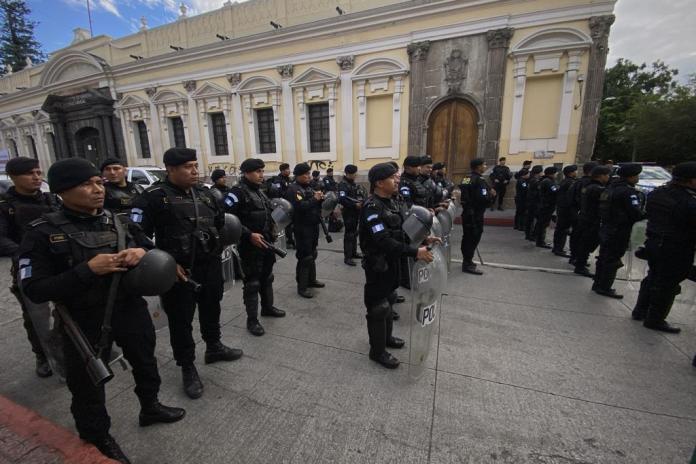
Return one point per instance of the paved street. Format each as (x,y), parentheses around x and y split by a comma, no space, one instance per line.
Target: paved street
(529,366)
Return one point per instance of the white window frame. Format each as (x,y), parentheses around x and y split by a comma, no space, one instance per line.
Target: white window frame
(261,92)
(212,98)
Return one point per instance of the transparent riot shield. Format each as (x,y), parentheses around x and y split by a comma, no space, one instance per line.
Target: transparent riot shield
(228,275)
(428,282)
(635,268)
(282,217)
(47,327)
(446,223)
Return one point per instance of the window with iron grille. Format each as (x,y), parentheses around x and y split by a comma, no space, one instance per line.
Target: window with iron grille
(265,126)
(178,132)
(217,121)
(319,139)
(143,139)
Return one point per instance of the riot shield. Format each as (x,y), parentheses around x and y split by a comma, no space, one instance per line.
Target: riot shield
(446,223)
(635,268)
(428,283)
(228,275)
(282,217)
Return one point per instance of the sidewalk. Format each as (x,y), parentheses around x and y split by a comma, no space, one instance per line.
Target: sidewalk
(526,367)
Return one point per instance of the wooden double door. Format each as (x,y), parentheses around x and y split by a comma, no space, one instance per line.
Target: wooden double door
(453,136)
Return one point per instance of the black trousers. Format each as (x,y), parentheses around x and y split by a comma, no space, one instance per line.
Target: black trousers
(350,238)
(134,333)
(543,220)
(613,243)
(669,263)
(290,234)
(530,220)
(180,305)
(565,223)
(306,242)
(377,296)
(500,190)
(588,241)
(472,230)
(257,265)
(520,213)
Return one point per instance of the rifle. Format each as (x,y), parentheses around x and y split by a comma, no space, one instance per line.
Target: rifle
(274,248)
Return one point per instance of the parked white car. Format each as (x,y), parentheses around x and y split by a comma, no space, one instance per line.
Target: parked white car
(145,175)
(652,177)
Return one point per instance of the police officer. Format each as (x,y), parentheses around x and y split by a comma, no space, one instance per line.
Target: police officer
(671,238)
(589,219)
(247,201)
(620,206)
(575,197)
(70,257)
(20,205)
(477,195)
(119,192)
(316,183)
(440,178)
(184,218)
(566,215)
(328,182)
(500,178)
(411,188)
(521,186)
(278,188)
(548,189)
(382,243)
(532,201)
(219,178)
(306,202)
(351,197)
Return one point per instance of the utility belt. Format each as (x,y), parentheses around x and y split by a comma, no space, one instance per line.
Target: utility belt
(182,246)
(376,262)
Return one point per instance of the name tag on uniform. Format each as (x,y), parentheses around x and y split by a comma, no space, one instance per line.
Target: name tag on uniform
(55,238)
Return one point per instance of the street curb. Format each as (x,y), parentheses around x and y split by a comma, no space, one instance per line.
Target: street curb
(41,432)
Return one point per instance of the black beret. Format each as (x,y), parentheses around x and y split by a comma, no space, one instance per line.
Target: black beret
(395,164)
(437,166)
(178,156)
(425,159)
(537,169)
(685,170)
(302,168)
(522,172)
(526,162)
(570,168)
(68,173)
(350,169)
(315,173)
(283,166)
(217,173)
(381,171)
(476,162)
(589,166)
(413,161)
(21,165)
(251,165)
(551,170)
(600,171)
(110,161)
(629,170)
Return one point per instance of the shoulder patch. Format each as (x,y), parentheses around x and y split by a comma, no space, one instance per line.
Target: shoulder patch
(231,199)
(372,217)
(37,222)
(466,180)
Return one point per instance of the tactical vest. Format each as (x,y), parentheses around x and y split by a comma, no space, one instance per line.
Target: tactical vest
(311,216)
(419,194)
(589,203)
(178,232)
(666,218)
(392,219)
(256,214)
(120,200)
(24,211)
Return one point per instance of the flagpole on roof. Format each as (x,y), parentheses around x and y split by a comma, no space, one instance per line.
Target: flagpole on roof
(89,15)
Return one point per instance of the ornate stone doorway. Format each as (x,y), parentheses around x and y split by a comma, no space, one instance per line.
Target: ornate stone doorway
(453,136)
(88,145)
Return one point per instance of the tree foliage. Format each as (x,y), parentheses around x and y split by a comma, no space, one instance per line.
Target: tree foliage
(17,42)
(647,115)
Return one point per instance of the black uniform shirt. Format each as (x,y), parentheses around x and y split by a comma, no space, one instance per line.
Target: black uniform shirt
(16,212)
(120,199)
(476,194)
(306,208)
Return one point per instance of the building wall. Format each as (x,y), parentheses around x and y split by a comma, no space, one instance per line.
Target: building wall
(357,62)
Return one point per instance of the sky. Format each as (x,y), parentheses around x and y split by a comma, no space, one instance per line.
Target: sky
(644,31)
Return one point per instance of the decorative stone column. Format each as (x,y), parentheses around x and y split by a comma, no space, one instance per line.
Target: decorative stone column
(288,145)
(194,130)
(498,42)
(417,54)
(156,146)
(346,64)
(237,120)
(594,84)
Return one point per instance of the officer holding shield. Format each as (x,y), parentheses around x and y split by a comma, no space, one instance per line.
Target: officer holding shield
(70,257)
(185,219)
(247,201)
(383,244)
(119,192)
(20,205)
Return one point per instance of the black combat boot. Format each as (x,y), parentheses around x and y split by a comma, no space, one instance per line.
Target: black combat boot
(349,262)
(216,351)
(109,448)
(582,269)
(313,282)
(302,275)
(255,328)
(43,369)
(642,303)
(250,295)
(470,268)
(155,412)
(661,326)
(267,308)
(193,387)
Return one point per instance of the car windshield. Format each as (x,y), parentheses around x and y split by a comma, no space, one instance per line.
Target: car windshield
(160,174)
(655,173)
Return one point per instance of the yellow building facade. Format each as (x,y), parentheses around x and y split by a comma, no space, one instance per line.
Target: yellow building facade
(375,81)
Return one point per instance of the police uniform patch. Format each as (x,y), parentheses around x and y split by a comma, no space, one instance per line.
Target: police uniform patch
(137,215)
(634,200)
(25,272)
(484,191)
(405,191)
(466,180)
(231,199)
(342,193)
(372,217)
(377,228)
(56,238)
(299,196)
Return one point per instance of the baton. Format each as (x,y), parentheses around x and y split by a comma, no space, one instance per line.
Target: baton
(326,231)
(274,248)
(479,255)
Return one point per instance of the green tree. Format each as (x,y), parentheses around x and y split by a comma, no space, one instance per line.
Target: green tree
(17,42)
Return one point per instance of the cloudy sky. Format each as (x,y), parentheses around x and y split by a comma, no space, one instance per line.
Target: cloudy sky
(645,30)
